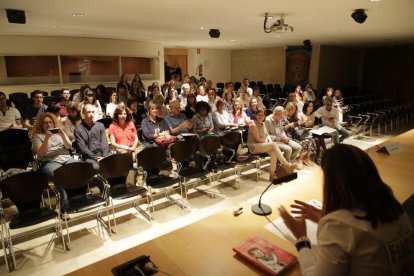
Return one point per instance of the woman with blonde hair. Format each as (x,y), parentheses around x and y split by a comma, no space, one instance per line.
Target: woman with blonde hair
(228,98)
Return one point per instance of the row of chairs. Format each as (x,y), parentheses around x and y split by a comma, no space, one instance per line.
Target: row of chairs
(218,154)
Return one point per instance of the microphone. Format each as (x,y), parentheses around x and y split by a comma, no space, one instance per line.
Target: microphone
(264,209)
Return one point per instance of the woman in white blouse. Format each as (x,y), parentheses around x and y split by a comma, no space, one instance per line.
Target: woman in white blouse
(362,228)
(221,118)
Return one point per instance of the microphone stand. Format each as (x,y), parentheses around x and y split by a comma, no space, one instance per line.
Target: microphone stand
(264,209)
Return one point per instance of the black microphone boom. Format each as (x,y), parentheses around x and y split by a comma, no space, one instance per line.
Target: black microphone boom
(264,209)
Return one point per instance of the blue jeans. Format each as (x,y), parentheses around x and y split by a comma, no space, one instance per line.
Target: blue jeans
(49,167)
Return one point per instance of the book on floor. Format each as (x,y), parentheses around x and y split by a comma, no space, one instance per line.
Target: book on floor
(322,130)
(265,255)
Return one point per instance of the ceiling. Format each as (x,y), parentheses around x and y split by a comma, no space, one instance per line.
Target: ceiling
(179,23)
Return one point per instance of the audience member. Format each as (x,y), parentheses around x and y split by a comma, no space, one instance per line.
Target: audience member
(91,99)
(330,117)
(34,110)
(246,85)
(293,99)
(154,128)
(122,94)
(251,110)
(243,98)
(63,104)
(222,120)
(52,150)
(228,98)
(185,90)
(362,228)
(212,98)
(122,131)
(137,92)
(309,94)
(177,121)
(190,108)
(201,94)
(138,111)
(90,137)
(291,124)
(171,96)
(275,127)
(9,117)
(72,120)
(80,95)
(259,141)
(123,80)
(112,105)
(239,116)
(329,93)
(202,120)
(256,94)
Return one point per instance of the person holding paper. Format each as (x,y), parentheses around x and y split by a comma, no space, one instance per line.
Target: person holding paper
(330,118)
(362,228)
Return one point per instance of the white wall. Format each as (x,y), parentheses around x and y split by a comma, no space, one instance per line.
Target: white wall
(216,64)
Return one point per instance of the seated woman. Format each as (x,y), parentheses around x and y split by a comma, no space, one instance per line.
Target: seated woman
(137,111)
(91,99)
(190,108)
(51,145)
(222,120)
(171,96)
(113,103)
(154,129)
(202,121)
(239,116)
(201,94)
(307,117)
(308,144)
(228,98)
(243,98)
(329,94)
(162,110)
(72,120)
(362,228)
(251,111)
(122,131)
(259,141)
(212,98)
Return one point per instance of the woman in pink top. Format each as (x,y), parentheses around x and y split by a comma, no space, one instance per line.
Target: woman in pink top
(122,131)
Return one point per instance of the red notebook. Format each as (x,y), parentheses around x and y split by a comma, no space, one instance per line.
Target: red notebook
(265,255)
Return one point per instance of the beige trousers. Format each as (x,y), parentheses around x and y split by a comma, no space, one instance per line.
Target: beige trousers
(272,149)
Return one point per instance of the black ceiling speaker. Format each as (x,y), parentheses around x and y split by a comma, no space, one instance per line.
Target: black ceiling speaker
(359,16)
(307,43)
(214,33)
(16,16)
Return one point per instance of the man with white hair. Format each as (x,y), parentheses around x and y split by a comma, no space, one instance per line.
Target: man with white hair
(177,121)
(274,126)
(185,90)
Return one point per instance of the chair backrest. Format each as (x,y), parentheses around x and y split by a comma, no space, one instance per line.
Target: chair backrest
(210,144)
(107,121)
(74,175)
(116,165)
(183,150)
(20,100)
(232,140)
(151,158)
(55,93)
(13,137)
(25,189)
(50,100)
(16,157)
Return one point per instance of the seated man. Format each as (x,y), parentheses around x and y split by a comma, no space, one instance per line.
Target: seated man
(9,117)
(91,138)
(34,110)
(63,104)
(177,121)
(276,130)
(330,117)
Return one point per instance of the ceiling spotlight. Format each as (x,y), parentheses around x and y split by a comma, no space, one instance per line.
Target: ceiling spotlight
(77,14)
(359,16)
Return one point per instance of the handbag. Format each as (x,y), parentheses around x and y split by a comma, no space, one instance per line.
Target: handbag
(300,133)
(165,140)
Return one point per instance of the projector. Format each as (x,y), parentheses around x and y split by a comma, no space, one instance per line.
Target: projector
(278,27)
(281,28)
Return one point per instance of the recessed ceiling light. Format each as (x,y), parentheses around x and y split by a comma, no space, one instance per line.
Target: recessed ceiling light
(53,27)
(233,40)
(77,14)
(202,28)
(277,36)
(375,0)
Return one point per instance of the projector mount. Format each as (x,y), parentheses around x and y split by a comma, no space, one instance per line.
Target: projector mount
(279,26)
